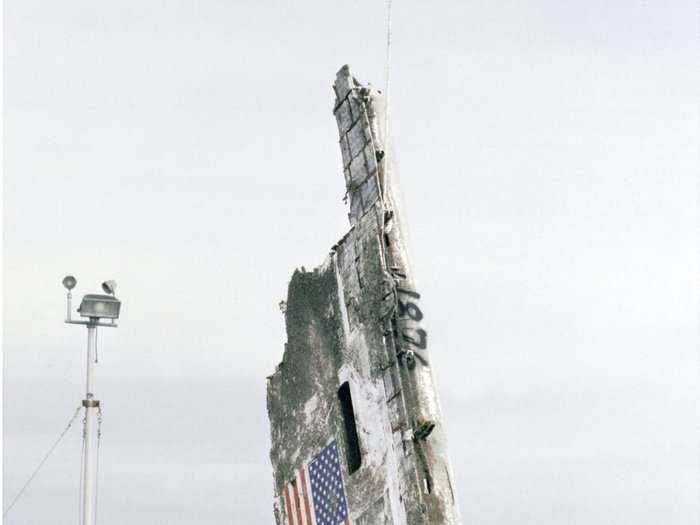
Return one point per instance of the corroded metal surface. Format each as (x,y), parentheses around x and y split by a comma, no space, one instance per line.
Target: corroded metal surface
(357,319)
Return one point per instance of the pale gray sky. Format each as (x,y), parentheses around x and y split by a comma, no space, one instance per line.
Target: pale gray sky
(548,156)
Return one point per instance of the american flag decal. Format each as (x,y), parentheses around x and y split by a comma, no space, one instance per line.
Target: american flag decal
(316,496)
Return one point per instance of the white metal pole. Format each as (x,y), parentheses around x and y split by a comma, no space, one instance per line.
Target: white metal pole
(90,404)
(68,305)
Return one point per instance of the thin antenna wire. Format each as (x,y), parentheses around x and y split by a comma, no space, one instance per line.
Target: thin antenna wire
(388,78)
(97,470)
(80,493)
(41,464)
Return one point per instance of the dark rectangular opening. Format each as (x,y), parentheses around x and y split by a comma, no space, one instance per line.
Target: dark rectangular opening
(352,445)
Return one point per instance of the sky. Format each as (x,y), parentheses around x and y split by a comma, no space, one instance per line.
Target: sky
(548,163)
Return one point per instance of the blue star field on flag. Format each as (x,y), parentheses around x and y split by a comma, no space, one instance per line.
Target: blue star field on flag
(327,488)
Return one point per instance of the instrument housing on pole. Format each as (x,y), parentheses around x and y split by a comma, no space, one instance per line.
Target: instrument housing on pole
(94,307)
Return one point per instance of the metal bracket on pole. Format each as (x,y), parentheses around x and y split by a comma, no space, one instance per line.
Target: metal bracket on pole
(91,323)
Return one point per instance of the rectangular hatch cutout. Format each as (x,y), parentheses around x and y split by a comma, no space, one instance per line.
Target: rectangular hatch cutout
(352,444)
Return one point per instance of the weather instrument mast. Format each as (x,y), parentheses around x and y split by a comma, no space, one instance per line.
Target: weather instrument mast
(95,308)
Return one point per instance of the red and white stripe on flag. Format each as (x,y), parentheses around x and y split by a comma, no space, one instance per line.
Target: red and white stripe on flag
(316,494)
(297,501)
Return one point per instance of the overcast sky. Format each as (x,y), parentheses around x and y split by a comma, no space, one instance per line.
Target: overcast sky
(548,157)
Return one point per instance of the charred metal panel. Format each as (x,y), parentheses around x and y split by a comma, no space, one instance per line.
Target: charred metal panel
(357,319)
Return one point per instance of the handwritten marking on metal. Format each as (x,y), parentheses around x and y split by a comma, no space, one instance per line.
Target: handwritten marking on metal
(409,317)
